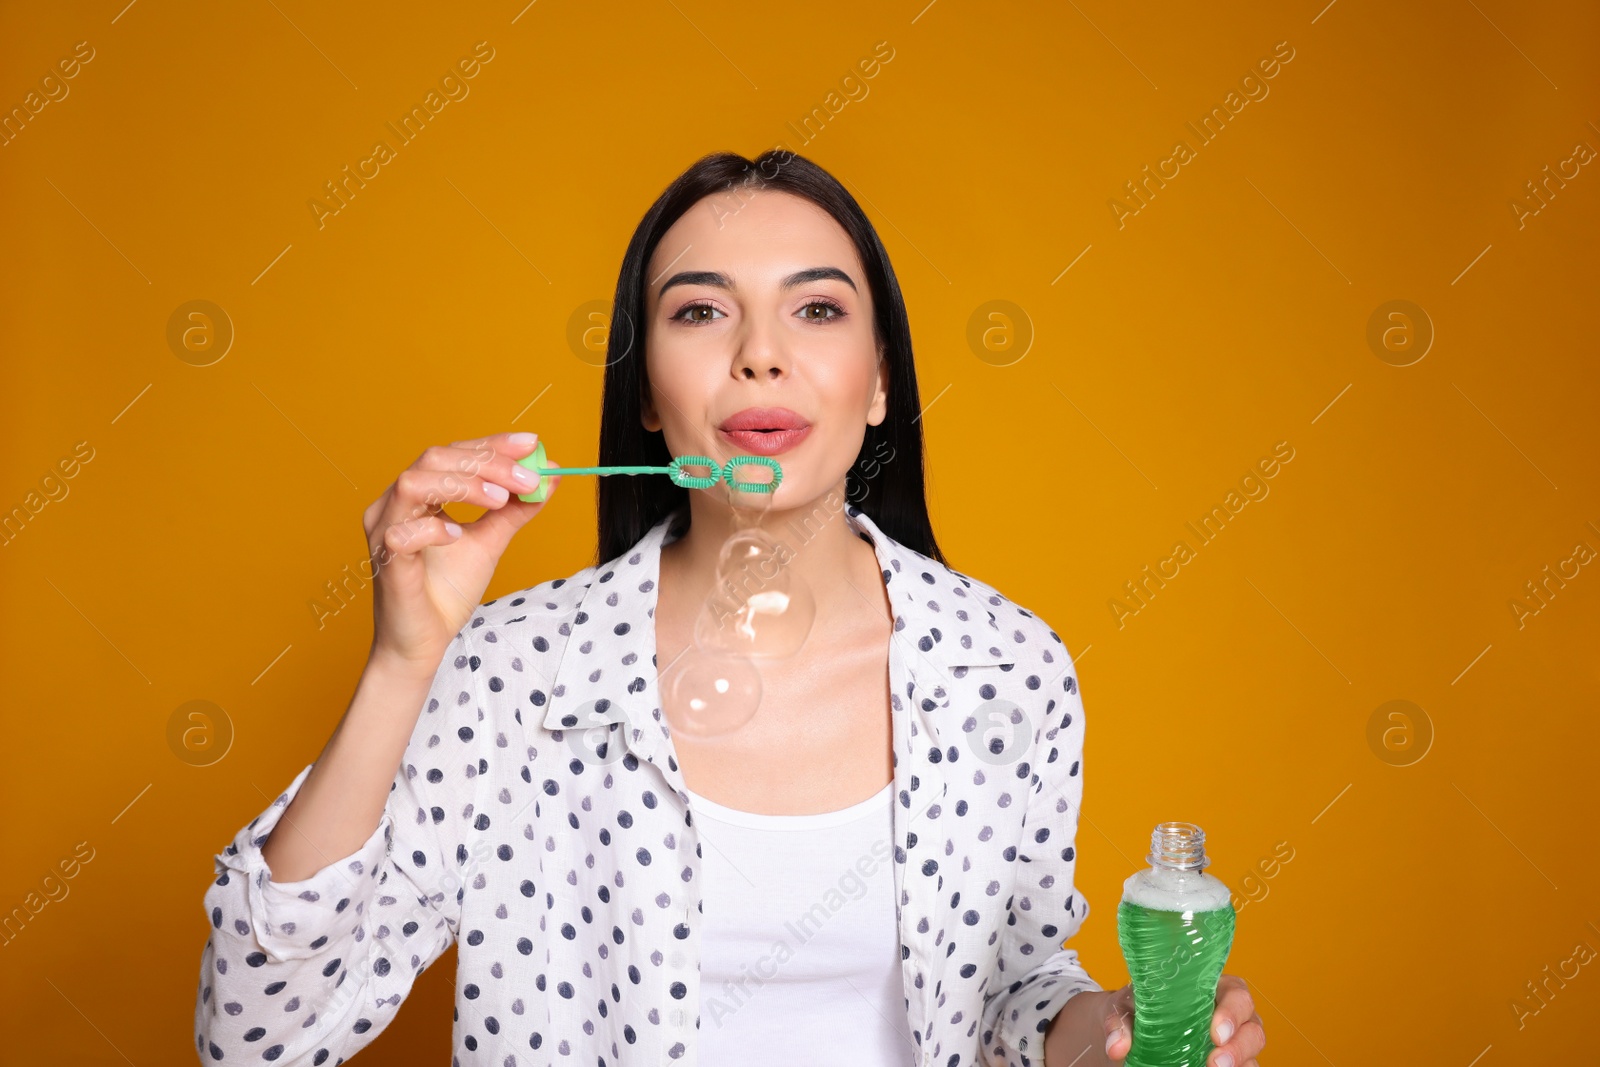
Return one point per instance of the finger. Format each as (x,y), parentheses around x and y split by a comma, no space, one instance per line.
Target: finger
(1235,1028)
(1245,1046)
(407,538)
(1119,1042)
(419,493)
(499,466)
(516,445)
(528,479)
(1234,1007)
(495,527)
(454,458)
(475,460)
(1118,1024)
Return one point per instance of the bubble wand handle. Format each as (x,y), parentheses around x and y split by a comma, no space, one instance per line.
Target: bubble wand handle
(603,470)
(728,472)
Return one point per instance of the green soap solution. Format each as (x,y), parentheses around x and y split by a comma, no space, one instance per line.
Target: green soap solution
(1175,959)
(534,461)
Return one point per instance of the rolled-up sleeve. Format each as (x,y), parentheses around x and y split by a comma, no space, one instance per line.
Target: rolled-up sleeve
(310,972)
(1037,976)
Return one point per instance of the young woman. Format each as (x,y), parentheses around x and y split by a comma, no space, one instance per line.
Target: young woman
(876,868)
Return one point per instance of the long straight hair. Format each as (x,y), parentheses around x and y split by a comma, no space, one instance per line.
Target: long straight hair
(887,478)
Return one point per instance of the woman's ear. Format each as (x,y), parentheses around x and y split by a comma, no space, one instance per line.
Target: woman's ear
(880,398)
(647,413)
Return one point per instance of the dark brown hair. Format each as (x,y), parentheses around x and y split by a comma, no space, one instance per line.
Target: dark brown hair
(886,480)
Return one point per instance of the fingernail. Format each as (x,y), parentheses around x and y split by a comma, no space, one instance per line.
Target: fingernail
(495,492)
(524,475)
(1224,1031)
(1111,1039)
(523,440)
(1225,1060)
(452,529)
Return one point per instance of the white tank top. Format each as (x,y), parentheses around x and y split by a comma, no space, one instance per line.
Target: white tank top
(800,960)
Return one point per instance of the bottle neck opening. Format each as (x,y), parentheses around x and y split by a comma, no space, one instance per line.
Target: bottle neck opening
(1178,846)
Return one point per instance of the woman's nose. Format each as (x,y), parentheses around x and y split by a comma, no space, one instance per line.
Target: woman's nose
(761,354)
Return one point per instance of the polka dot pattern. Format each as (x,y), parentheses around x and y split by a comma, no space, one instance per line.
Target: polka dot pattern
(539,821)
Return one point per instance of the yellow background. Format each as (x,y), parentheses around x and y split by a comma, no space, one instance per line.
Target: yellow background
(1229,314)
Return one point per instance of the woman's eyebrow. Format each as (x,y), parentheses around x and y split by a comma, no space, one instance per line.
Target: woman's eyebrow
(718,280)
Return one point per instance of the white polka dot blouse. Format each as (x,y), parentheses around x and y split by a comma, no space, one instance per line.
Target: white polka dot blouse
(539,821)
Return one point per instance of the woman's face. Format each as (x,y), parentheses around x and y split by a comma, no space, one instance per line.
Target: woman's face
(763,306)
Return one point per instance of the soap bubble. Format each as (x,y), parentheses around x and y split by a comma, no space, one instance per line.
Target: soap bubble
(707,694)
(757,610)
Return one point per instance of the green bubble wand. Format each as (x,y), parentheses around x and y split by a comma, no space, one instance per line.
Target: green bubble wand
(728,472)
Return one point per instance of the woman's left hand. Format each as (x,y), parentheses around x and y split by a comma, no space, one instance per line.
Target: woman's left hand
(1236,1029)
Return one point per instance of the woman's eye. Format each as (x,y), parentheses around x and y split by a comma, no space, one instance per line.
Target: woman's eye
(686,313)
(826,305)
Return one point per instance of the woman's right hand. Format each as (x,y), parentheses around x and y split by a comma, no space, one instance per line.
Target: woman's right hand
(430,573)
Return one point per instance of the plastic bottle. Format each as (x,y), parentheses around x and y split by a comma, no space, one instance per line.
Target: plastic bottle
(1175,924)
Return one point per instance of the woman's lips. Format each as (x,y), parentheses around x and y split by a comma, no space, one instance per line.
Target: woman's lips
(765,442)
